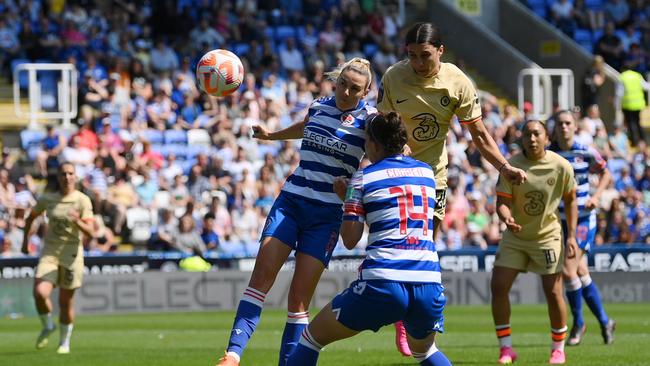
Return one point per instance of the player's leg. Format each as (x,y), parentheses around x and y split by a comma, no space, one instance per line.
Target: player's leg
(66,319)
(316,242)
(425,351)
(305,278)
(323,330)
(423,320)
(592,298)
(401,341)
(500,285)
(365,305)
(42,291)
(573,290)
(278,239)
(552,284)
(586,237)
(270,258)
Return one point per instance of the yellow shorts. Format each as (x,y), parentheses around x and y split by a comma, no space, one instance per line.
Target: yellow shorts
(67,277)
(541,258)
(441,204)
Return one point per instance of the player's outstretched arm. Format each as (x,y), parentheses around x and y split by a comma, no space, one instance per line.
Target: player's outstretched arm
(490,151)
(295,131)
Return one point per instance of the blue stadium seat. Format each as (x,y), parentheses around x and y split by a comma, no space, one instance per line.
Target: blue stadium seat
(187,165)
(540,11)
(241,49)
(160,149)
(588,46)
(595,35)
(49,89)
(194,150)
(283,32)
(31,138)
(269,32)
(153,136)
(369,49)
(536,3)
(23,78)
(582,35)
(31,152)
(180,151)
(175,137)
(594,4)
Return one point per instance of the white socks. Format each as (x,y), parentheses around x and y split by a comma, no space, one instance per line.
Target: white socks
(66,332)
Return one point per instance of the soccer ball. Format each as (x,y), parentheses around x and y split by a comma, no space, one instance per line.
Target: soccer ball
(220,73)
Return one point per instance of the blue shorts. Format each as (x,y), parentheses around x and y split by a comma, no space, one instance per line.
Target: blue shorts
(585,232)
(305,226)
(369,305)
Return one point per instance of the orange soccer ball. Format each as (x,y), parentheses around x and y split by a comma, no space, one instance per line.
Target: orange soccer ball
(219,73)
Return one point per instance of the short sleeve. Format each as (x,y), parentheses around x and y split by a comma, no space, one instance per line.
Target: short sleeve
(569,177)
(353,207)
(41,204)
(86,213)
(504,187)
(597,164)
(469,108)
(384,103)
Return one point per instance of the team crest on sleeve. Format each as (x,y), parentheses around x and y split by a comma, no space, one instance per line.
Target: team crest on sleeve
(347,119)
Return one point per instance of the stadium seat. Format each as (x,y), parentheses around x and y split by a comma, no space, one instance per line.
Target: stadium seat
(241,49)
(199,137)
(594,4)
(139,222)
(582,35)
(175,137)
(187,165)
(153,136)
(49,81)
(180,151)
(194,150)
(31,138)
(369,49)
(283,32)
(23,78)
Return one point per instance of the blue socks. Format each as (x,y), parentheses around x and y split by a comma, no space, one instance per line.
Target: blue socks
(592,297)
(248,315)
(574,296)
(307,351)
(296,323)
(433,357)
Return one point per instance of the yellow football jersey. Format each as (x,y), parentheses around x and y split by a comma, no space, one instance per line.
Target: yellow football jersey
(63,237)
(427,106)
(535,202)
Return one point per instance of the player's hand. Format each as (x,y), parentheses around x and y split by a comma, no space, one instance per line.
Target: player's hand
(571,247)
(340,186)
(516,176)
(512,225)
(260,132)
(591,203)
(406,151)
(73,215)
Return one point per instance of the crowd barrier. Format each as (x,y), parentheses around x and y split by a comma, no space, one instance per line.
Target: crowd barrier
(151,282)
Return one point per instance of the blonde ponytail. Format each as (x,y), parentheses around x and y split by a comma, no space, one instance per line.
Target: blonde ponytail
(357,64)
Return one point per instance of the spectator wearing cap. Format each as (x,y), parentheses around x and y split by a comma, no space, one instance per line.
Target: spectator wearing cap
(208,235)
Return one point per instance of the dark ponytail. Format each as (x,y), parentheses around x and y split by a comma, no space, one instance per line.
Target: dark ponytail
(424,33)
(389,131)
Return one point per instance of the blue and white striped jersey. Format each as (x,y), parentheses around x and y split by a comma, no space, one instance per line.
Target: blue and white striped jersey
(584,160)
(332,146)
(396,197)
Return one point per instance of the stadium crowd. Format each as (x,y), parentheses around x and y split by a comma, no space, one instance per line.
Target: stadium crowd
(169,168)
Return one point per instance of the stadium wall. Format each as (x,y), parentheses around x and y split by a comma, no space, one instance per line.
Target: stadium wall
(212,291)
(479,46)
(550,48)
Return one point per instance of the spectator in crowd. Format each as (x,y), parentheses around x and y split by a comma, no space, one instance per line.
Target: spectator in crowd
(209,236)
(631,98)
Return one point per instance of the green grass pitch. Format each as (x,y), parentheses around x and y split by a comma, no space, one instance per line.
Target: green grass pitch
(187,339)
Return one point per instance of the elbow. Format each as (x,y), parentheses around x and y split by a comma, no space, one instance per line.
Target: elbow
(349,241)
